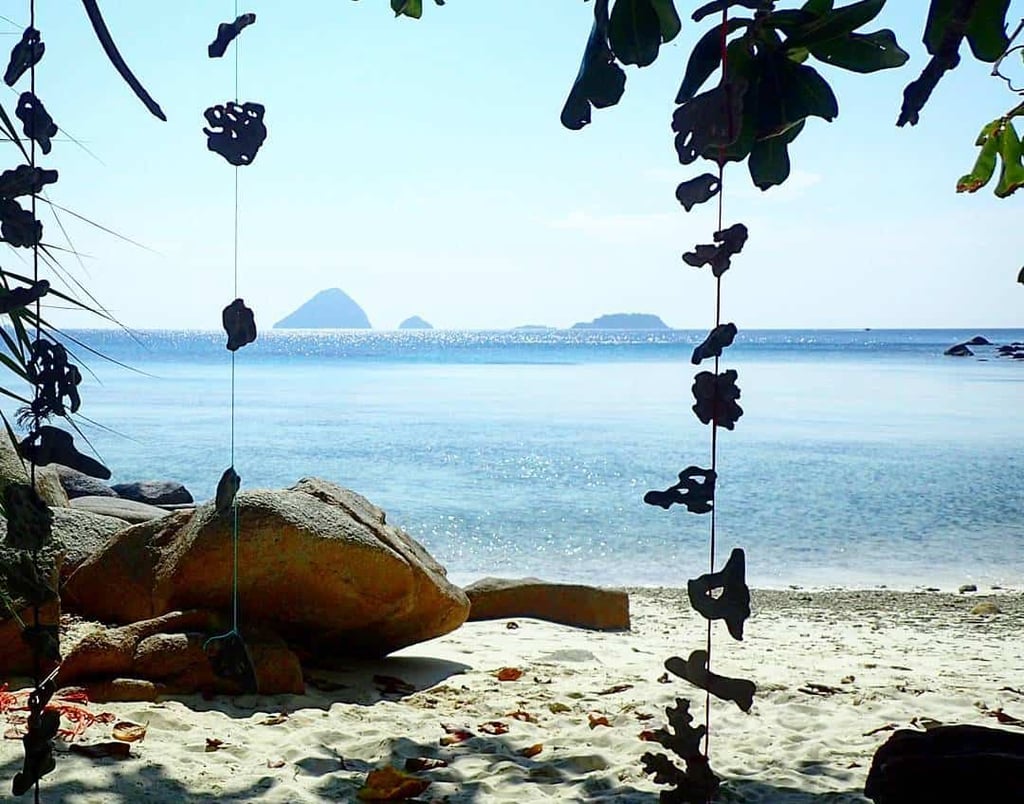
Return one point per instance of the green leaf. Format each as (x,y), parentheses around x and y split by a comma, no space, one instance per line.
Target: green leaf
(819,7)
(1011,175)
(839,22)
(705,58)
(862,53)
(985,165)
(986,32)
(634,32)
(940,17)
(789,93)
(769,159)
(409,8)
(668,18)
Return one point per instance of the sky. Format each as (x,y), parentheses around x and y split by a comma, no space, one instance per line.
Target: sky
(421,167)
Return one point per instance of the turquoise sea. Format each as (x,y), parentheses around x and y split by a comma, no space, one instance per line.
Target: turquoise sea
(863,457)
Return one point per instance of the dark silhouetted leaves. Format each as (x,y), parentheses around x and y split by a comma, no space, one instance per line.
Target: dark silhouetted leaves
(716,396)
(862,53)
(25,180)
(638,27)
(712,346)
(695,490)
(769,158)
(17,226)
(697,190)
(236,131)
(600,82)
(17,298)
(705,58)
(54,378)
(410,8)
(227,32)
(733,603)
(789,93)
(729,243)
(718,6)
(107,42)
(36,121)
(24,55)
(709,122)
(835,23)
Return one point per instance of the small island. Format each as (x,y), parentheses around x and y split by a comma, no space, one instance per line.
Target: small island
(415,322)
(624,321)
(328,309)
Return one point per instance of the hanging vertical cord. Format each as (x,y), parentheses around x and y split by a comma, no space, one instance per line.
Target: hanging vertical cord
(234,504)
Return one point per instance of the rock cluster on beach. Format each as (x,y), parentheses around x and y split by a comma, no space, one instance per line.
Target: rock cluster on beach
(981,347)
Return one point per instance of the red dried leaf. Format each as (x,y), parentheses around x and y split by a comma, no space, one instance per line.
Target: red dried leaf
(648,736)
(531,751)
(509,674)
(598,720)
(493,727)
(519,714)
(391,784)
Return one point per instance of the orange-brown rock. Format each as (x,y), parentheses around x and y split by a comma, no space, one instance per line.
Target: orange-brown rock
(569,604)
(318,564)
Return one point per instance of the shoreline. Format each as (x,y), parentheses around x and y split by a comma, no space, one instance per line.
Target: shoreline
(887,660)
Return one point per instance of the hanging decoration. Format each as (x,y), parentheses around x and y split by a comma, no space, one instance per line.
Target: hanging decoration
(236,132)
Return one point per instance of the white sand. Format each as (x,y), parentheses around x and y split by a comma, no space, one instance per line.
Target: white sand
(909,656)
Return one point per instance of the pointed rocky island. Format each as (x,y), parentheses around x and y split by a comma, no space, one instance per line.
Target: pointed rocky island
(624,321)
(415,322)
(328,309)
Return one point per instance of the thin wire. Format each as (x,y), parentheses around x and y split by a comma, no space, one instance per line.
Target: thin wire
(234,505)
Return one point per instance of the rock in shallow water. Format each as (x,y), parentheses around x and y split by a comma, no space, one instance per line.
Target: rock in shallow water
(154,492)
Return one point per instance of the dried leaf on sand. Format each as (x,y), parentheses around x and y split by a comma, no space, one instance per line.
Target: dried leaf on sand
(391,784)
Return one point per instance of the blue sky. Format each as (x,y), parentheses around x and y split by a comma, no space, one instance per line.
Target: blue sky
(421,167)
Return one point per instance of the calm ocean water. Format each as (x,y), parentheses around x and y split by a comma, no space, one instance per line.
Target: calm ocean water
(863,457)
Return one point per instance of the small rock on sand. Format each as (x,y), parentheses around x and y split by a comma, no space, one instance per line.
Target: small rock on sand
(968,587)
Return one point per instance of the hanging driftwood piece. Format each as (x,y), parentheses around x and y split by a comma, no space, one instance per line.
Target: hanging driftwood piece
(716,396)
(24,55)
(17,298)
(36,121)
(719,338)
(107,42)
(29,520)
(25,180)
(227,32)
(17,226)
(733,604)
(229,658)
(240,325)
(55,379)
(695,670)
(38,740)
(236,131)
(695,490)
(697,190)
(697,784)
(49,445)
(227,488)
(730,242)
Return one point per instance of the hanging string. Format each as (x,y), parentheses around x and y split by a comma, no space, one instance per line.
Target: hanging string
(234,504)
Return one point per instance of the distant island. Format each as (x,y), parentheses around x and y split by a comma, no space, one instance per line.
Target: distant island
(534,328)
(624,321)
(328,309)
(415,322)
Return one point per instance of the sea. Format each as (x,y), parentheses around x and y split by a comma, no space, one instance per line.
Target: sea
(863,458)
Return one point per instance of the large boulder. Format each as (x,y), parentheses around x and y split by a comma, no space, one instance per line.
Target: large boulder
(77,484)
(568,604)
(154,492)
(13,469)
(82,534)
(128,511)
(318,564)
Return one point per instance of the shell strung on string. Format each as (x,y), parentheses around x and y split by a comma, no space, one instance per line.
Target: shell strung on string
(18,226)
(227,488)
(42,724)
(36,121)
(696,784)
(695,490)
(733,604)
(25,180)
(24,56)
(236,131)
(716,341)
(729,243)
(239,324)
(716,396)
(695,670)
(49,445)
(29,519)
(227,32)
(55,380)
(229,658)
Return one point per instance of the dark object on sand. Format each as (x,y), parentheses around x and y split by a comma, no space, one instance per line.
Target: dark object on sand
(697,784)
(240,325)
(49,445)
(236,131)
(227,488)
(11,300)
(733,604)
(29,520)
(25,180)
(18,226)
(947,765)
(55,379)
(36,121)
(695,670)
(716,396)
(24,55)
(720,337)
(695,490)
(227,32)
(960,350)
(697,190)
(38,740)
(730,242)
(229,658)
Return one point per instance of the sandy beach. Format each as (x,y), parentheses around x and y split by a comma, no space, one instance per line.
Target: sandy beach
(836,672)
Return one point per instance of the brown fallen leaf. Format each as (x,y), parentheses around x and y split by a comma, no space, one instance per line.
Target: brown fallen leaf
(493,727)
(615,689)
(117,750)
(129,732)
(274,720)
(213,744)
(509,674)
(531,751)
(521,715)
(647,735)
(275,763)
(414,764)
(598,720)
(454,735)
(391,784)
